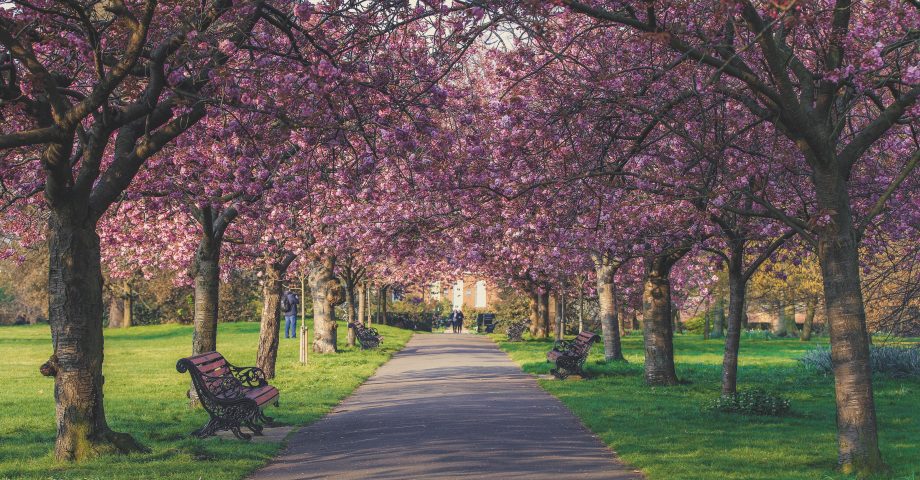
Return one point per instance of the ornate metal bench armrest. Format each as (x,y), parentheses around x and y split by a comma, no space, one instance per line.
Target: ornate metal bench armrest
(249,376)
(228,386)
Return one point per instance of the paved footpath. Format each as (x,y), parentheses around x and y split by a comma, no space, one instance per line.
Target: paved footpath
(447,406)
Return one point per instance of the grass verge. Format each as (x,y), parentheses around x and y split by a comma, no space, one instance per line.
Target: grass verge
(663,431)
(145,396)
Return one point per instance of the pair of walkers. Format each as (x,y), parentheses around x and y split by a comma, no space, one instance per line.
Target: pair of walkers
(289,303)
(456,320)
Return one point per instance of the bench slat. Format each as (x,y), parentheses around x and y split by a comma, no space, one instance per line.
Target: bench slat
(263,395)
(204,358)
(214,367)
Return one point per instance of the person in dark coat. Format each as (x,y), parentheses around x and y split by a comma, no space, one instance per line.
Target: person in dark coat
(289,303)
(457,320)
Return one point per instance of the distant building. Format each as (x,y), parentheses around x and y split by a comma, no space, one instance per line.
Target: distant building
(469,292)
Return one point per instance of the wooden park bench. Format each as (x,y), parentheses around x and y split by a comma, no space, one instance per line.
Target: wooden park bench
(570,355)
(516,331)
(367,337)
(233,396)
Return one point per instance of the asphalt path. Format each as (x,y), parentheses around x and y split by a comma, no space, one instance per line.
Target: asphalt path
(447,406)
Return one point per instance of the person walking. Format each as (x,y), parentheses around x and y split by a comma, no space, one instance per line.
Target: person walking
(457,320)
(289,303)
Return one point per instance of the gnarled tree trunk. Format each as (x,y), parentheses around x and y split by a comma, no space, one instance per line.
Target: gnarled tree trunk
(269,329)
(75,315)
(606,297)
(322,280)
(207,295)
(838,253)
(657,320)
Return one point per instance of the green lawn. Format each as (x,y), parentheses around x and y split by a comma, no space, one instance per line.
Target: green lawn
(145,396)
(663,431)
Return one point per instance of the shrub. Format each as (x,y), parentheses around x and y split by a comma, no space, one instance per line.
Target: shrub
(751,402)
(758,335)
(898,362)
(695,325)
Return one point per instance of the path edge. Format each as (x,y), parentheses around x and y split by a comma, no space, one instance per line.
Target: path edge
(613,453)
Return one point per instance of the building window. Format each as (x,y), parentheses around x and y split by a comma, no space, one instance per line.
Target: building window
(458,294)
(480,294)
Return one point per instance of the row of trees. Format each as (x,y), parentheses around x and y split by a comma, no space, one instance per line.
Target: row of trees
(639,146)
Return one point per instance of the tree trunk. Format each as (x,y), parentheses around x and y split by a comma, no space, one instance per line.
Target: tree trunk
(657,321)
(792,330)
(383,305)
(206,271)
(606,297)
(362,302)
(75,316)
(376,316)
(581,307)
(543,320)
(560,318)
(269,330)
(810,307)
(116,311)
(838,253)
(737,286)
(706,322)
(351,309)
(324,326)
(534,313)
(718,322)
(121,306)
(128,319)
(207,292)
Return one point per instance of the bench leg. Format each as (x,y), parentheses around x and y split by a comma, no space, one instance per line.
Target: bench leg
(266,420)
(255,427)
(566,366)
(240,434)
(208,429)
